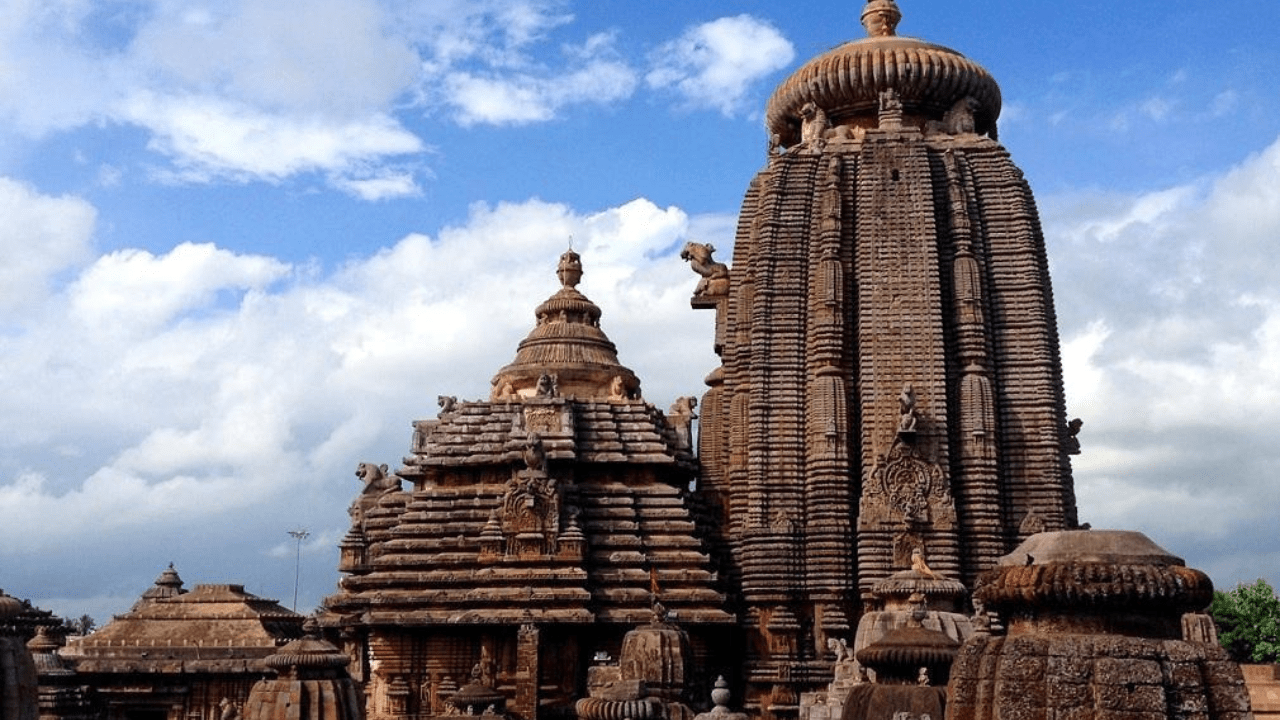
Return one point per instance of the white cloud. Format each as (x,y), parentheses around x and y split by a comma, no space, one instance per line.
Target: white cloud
(40,237)
(339,58)
(209,138)
(1171,312)
(177,402)
(593,75)
(135,289)
(385,185)
(713,65)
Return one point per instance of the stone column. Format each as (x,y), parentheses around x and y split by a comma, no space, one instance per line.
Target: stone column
(527,650)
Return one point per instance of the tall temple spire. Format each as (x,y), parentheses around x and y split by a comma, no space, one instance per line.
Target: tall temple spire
(891,383)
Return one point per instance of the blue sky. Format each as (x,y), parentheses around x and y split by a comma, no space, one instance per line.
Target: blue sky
(248,242)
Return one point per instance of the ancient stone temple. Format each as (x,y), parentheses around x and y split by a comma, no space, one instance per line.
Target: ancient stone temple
(890,383)
(541,528)
(176,655)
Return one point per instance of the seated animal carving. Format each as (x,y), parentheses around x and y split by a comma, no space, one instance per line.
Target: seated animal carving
(715,275)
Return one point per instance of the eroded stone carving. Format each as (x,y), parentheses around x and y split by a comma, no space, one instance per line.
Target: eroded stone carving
(813,127)
(547,386)
(377,480)
(715,275)
(682,416)
(447,403)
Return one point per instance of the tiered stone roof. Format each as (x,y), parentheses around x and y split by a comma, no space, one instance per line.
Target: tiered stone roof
(213,628)
(561,500)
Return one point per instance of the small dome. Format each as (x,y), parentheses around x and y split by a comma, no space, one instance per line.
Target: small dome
(905,583)
(1114,574)
(846,82)
(307,652)
(10,606)
(568,345)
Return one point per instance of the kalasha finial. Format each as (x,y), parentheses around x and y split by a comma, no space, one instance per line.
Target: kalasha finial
(570,268)
(881,17)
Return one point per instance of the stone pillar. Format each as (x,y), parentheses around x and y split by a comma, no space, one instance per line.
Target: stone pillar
(527,651)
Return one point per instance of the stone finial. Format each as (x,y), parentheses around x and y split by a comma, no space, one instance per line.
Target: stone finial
(569,271)
(881,18)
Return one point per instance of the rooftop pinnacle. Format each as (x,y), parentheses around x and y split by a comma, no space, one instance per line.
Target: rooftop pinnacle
(881,17)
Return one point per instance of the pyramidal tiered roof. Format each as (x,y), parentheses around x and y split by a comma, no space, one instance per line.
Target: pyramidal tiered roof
(213,628)
(561,499)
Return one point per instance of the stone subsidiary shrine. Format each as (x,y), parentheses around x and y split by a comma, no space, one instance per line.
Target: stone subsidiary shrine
(874,519)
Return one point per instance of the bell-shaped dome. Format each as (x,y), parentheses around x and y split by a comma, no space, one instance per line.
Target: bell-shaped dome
(566,353)
(847,82)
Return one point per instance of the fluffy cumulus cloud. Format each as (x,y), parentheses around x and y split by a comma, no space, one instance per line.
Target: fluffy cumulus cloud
(714,64)
(193,405)
(240,91)
(336,90)
(1171,319)
(40,237)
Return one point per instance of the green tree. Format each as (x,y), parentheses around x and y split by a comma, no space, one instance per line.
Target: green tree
(1248,620)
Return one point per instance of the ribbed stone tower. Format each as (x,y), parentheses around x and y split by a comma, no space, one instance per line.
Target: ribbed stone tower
(891,380)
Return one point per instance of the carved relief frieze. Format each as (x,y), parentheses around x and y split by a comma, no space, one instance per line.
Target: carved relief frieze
(529,514)
(906,488)
(544,418)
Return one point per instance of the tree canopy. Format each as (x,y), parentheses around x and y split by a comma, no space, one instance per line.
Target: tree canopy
(1248,620)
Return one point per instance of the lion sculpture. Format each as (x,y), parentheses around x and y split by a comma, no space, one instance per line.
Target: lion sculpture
(715,275)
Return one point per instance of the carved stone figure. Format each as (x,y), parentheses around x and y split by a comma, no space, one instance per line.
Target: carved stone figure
(890,117)
(617,389)
(547,386)
(535,455)
(907,409)
(813,126)
(959,119)
(447,403)
(682,416)
(1072,444)
(715,275)
(839,647)
(919,564)
(503,390)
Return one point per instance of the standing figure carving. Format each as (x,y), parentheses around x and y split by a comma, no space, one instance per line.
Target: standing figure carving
(907,410)
(813,126)
(682,416)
